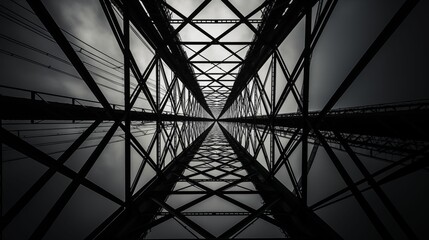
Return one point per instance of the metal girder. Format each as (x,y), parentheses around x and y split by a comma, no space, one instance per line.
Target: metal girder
(127,103)
(290,213)
(213,21)
(129,60)
(395,124)
(237,227)
(218,41)
(200,161)
(305,105)
(364,145)
(405,127)
(295,217)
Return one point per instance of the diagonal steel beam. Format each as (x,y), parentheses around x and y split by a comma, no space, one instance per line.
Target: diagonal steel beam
(25,148)
(378,43)
(369,211)
(35,188)
(187,20)
(243,223)
(47,20)
(65,197)
(377,189)
(185,219)
(412,157)
(122,40)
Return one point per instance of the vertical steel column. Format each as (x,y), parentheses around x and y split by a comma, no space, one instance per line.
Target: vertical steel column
(305,99)
(158,123)
(127,103)
(1,180)
(273,104)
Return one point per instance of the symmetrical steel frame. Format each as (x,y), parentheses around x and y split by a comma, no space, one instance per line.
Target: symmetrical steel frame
(251,140)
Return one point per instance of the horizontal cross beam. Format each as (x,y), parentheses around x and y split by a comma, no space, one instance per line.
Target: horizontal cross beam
(406,124)
(13,108)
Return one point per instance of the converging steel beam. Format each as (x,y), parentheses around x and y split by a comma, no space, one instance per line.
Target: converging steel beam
(128,224)
(280,20)
(296,219)
(154,26)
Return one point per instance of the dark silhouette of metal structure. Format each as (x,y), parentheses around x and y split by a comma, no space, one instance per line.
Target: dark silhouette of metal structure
(220,122)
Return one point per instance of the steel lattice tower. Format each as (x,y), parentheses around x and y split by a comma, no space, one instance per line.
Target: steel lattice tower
(212,149)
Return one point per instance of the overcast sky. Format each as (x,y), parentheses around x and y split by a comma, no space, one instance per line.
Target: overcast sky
(397,73)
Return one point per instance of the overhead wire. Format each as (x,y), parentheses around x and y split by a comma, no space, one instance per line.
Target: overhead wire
(138,128)
(52,143)
(150,85)
(72,127)
(70,141)
(39,30)
(62,60)
(11,54)
(167,126)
